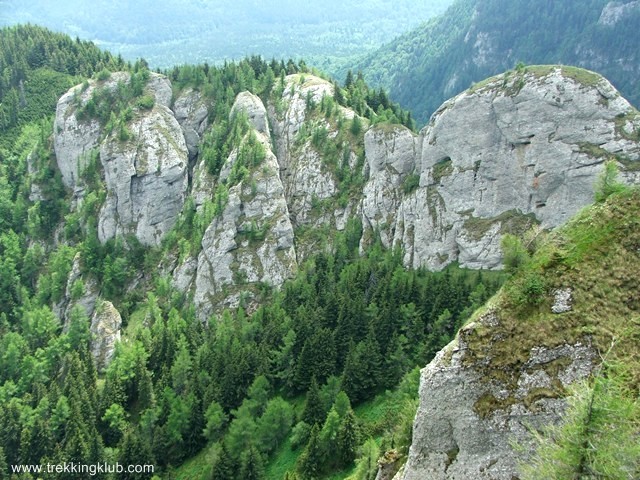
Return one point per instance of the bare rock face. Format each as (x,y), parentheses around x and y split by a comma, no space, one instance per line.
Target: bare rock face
(105,332)
(84,297)
(146,178)
(145,164)
(191,113)
(312,188)
(250,242)
(466,419)
(613,12)
(390,153)
(253,107)
(74,138)
(519,149)
(160,87)
(305,177)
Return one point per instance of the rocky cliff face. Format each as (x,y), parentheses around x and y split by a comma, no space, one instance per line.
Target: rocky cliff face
(458,435)
(250,242)
(509,370)
(145,168)
(519,149)
(522,148)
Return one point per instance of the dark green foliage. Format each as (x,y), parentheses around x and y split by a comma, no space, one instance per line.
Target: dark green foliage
(310,462)
(314,409)
(348,440)
(135,451)
(251,464)
(411,183)
(224,467)
(37,67)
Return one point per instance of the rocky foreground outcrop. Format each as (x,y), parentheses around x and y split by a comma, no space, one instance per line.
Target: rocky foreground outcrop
(510,369)
(468,423)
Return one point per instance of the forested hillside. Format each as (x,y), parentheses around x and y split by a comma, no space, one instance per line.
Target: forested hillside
(221,271)
(248,387)
(475,39)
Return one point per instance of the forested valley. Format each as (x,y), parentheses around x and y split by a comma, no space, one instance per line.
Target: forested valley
(321,376)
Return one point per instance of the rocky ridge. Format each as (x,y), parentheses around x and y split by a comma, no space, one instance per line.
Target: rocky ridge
(522,148)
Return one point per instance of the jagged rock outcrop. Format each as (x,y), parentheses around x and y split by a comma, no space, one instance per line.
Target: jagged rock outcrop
(145,162)
(255,111)
(105,333)
(457,435)
(79,291)
(521,148)
(146,178)
(510,369)
(75,138)
(250,242)
(307,178)
(391,153)
(613,12)
(191,113)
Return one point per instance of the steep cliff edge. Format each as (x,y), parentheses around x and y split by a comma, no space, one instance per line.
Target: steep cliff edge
(142,151)
(250,242)
(508,369)
(521,148)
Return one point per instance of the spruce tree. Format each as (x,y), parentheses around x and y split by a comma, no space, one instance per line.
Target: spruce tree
(224,467)
(348,439)
(314,410)
(252,465)
(310,462)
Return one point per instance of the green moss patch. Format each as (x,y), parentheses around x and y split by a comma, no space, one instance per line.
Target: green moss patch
(597,254)
(511,221)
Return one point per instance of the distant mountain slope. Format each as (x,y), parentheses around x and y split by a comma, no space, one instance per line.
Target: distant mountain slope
(478,38)
(174,32)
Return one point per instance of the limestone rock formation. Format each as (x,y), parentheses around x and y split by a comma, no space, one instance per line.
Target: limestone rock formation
(145,168)
(253,107)
(522,148)
(466,422)
(250,242)
(79,291)
(191,112)
(519,149)
(146,178)
(105,332)
(75,137)
(307,180)
(391,153)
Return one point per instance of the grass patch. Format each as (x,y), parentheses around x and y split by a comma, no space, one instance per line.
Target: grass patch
(283,461)
(411,183)
(512,221)
(442,169)
(598,255)
(621,123)
(196,468)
